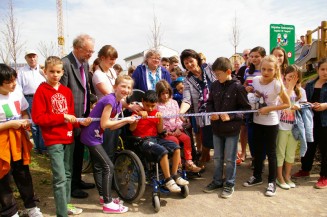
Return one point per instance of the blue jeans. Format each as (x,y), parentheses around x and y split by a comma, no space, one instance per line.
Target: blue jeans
(225,148)
(61,158)
(36,131)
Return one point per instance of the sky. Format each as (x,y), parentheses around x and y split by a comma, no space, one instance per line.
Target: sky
(205,26)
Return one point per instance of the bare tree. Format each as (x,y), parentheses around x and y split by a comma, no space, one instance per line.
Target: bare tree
(47,50)
(235,37)
(155,37)
(12,45)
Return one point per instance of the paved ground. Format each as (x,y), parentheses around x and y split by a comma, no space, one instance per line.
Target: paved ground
(304,200)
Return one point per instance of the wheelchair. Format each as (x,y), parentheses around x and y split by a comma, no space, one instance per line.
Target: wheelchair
(133,171)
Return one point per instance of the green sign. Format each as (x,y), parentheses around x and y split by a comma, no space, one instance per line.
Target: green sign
(283,36)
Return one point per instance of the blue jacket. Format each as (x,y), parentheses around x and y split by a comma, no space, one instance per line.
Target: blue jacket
(139,76)
(309,88)
(303,127)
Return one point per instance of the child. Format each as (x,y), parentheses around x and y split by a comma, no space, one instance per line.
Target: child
(108,107)
(93,101)
(286,143)
(15,147)
(226,94)
(265,127)
(173,126)
(281,56)
(154,148)
(178,88)
(256,55)
(316,93)
(53,111)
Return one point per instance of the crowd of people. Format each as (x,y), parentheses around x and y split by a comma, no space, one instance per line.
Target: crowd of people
(63,99)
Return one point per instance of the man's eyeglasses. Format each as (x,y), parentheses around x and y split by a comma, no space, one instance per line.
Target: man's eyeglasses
(88,51)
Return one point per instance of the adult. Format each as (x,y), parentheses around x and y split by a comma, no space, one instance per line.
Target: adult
(195,95)
(147,75)
(75,77)
(246,56)
(29,78)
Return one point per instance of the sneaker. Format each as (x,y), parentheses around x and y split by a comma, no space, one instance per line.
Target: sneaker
(227,192)
(271,189)
(116,200)
(191,167)
(172,186)
(180,181)
(301,174)
(212,187)
(291,184)
(16,215)
(72,210)
(252,182)
(321,183)
(283,185)
(120,209)
(34,212)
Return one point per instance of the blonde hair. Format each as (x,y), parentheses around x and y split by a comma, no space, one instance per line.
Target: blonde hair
(120,79)
(278,76)
(53,60)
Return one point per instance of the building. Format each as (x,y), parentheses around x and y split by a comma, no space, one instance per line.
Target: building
(138,58)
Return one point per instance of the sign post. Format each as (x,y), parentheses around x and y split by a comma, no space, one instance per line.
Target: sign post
(283,36)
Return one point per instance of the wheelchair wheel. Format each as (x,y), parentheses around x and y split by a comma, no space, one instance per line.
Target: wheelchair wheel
(129,176)
(185,191)
(87,163)
(156,203)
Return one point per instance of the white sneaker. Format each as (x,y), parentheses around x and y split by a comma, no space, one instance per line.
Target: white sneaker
(16,215)
(172,186)
(72,210)
(271,189)
(181,181)
(34,212)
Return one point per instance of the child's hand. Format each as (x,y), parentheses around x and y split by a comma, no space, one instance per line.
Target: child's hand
(135,107)
(214,117)
(143,114)
(158,115)
(295,107)
(177,132)
(249,89)
(264,111)
(224,117)
(131,119)
(319,106)
(70,118)
(16,124)
(86,122)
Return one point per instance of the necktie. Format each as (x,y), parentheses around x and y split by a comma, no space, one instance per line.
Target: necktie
(81,70)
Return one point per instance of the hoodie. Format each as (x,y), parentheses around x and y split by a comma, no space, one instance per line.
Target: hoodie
(227,96)
(49,107)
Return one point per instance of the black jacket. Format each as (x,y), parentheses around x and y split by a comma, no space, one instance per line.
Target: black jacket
(227,96)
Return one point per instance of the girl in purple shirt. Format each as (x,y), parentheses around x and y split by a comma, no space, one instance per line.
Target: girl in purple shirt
(107,108)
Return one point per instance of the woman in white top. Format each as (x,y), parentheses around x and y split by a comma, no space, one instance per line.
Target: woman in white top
(104,77)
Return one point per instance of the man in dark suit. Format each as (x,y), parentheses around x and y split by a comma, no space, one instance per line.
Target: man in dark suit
(75,77)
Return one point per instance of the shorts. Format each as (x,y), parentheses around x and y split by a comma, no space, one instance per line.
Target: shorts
(155,148)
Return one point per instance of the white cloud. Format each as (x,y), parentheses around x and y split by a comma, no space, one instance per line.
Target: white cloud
(201,25)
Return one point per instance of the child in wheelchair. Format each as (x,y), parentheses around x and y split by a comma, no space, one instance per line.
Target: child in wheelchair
(155,148)
(174,126)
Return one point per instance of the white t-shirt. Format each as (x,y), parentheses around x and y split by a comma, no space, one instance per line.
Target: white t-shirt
(107,78)
(287,116)
(269,94)
(11,105)
(30,79)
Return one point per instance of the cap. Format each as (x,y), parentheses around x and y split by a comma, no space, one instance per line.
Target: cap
(30,52)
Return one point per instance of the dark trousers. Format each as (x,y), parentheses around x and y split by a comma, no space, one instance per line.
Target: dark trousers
(23,180)
(320,141)
(77,163)
(103,170)
(110,142)
(265,136)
